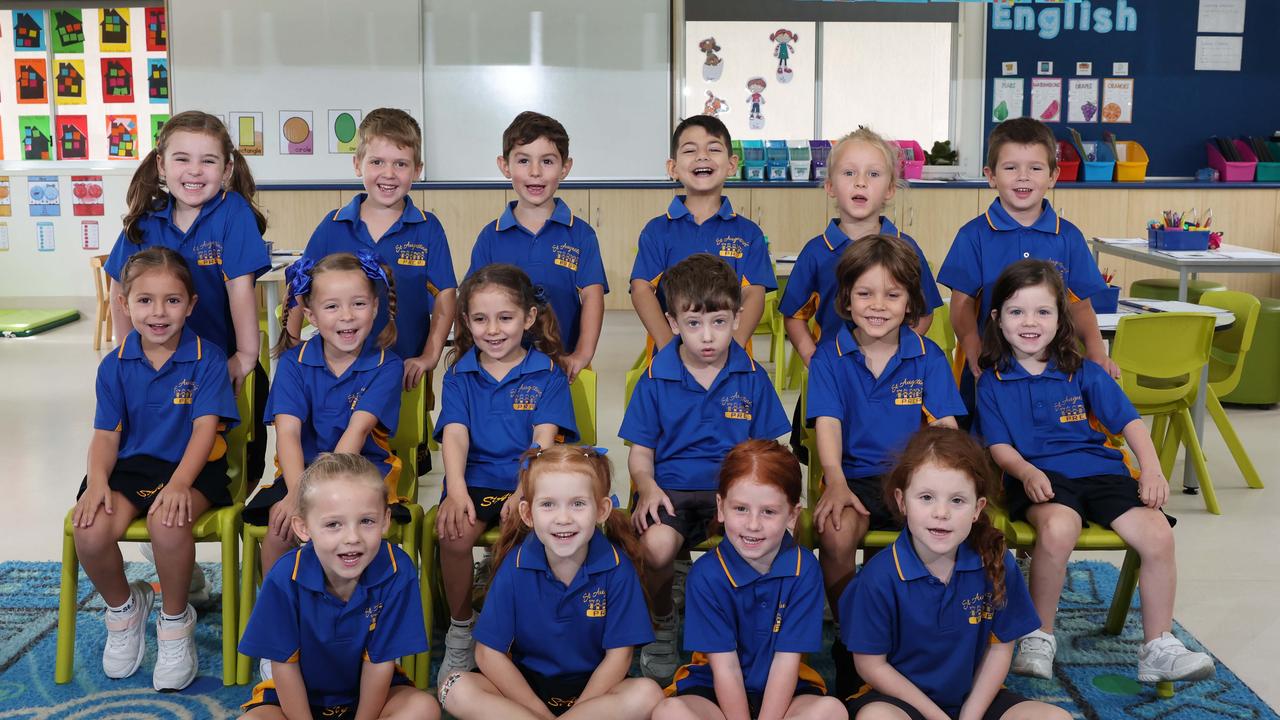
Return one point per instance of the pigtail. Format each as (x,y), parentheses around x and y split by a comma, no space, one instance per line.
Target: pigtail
(462,339)
(387,337)
(144,196)
(545,332)
(988,542)
(618,528)
(241,182)
(286,340)
(512,532)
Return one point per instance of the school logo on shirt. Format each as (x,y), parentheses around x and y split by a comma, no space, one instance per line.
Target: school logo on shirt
(777,619)
(732,247)
(979,608)
(908,392)
(354,398)
(566,256)
(736,406)
(1071,409)
(412,254)
(184,392)
(371,612)
(208,253)
(525,397)
(595,602)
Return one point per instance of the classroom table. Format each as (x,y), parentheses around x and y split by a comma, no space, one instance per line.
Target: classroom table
(1248,260)
(272,281)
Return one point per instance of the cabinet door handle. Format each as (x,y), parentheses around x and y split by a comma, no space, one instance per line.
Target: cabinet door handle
(597,223)
(911,216)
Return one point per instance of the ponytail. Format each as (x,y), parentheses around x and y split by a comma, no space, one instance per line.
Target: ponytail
(618,528)
(241,181)
(989,544)
(387,337)
(545,331)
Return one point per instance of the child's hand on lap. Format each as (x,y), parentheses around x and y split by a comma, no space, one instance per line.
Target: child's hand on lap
(1038,487)
(282,513)
(1153,488)
(831,506)
(87,506)
(511,505)
(455,510)
(172,505)
(648,502)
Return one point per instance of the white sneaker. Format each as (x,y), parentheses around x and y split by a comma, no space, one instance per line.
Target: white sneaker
(126,636)
(176,662)
(459,652)
(264,669)
(1035,655)
(659,659)
(197,591)
(1166,659)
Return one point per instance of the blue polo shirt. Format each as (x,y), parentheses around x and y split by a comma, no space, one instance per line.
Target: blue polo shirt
(552,628)
(222,243)
(153,408)
(500,415)
(691,428)
(879,415)
(1057,421)
(935,634)
(729,606)
(989,243)
(296,620)
(416,252)
(812,287)
(563,257)
(307,389)
(670,238)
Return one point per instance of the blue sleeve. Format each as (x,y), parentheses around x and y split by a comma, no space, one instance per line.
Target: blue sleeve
(288,395)
(399,630)
(868,614)
(991,424)
(962,268)
(213,389)
(318,245)
(480,255)
(1104,398)
(590,266)
(710,625)
(928,286)
(825,394)
(440,268)
(756,267)
(626,620)
(801,631)
(453,403)
(769,420)
(641,423)
(801,285)
(382,398)
(1018,616)
(110,411)
(650,254)
(556,406)
(120,253)
(274,630)
(243,250)
(1084,280)
(496,626)
(941,395)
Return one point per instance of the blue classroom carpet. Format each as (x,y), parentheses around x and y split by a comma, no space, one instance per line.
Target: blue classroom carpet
(1094,673)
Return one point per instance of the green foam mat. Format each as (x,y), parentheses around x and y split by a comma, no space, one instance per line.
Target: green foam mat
(21,323)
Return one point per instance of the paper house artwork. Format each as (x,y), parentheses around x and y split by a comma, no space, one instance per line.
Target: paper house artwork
(117,80)
(28,30)
(296,135)
(42,191)
(29,75)
(6,201)
(72,132)
(68,31)
(158,80)
(157,31)
(86,195)
(37,143)
(122,137)
(69,82)
(342,131)
(157,122)
(246,131)
(113,23)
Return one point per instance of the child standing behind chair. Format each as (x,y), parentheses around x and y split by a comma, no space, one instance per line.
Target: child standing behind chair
(163,401)
(337,613)
(564,611)
(503,392)
(539,234)
(701,395)
(1047,413)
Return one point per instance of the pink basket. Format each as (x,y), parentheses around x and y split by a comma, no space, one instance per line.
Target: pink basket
(1242,171)
(910,169)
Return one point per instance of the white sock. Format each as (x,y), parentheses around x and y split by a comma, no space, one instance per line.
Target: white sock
(173,619)
(464,624)
(126,608)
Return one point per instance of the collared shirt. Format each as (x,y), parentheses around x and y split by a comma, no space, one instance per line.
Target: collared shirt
(1057,421)
(563,257)
(500,415)
(936,634)
(304,387)
(416,253)
(670,238)
(223,243)
(153,408)
(989,243)
(730,606)
(552,628)
(878,415)
(812,286)
(691,428)
(295,619)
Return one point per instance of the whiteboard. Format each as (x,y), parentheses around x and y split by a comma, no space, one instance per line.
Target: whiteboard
(280,56)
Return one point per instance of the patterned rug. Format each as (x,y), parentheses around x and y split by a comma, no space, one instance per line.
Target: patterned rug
(1094,672)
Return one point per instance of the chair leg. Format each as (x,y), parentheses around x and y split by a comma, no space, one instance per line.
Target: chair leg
(1168,450)
(1159,431)
(1183,418)
(1123,595)
(64,666)
(230,533)
(248,581)
(1228,431)
(426,567)
(416,666)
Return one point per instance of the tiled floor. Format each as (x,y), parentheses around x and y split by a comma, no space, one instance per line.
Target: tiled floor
(1229,566)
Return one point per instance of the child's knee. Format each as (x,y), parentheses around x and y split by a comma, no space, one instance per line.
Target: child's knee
(672,708)
(169,537)
(95,538)
(642,693)
(880,711)
(827,708)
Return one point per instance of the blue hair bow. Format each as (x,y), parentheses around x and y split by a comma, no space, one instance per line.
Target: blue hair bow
(298,278)
(540,294)
(372,267)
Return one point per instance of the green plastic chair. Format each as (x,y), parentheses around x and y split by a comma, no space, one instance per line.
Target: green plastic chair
(771,324)
(1226,367)
(1161,356)
(941,332)
(220,525)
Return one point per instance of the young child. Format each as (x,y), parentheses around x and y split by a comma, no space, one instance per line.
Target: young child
(565,609)
(870,389)
(701,221)
(335,614)
(410,241)
(163,400)
(339,392)
(936,616)
(862,178)
(503,392)
(754,603)
(1022,166)
(1046,413)
(701,395)
(539,234)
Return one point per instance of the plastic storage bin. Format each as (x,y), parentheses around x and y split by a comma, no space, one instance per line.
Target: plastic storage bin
(1178,239)
(1229,171)
(735,148)
(1102,166)
(821,150)
(910,159)
(1107,301)
(1131,165)
(800,157)
(1270,171)
(753,159)
(775,158)
(1068,162)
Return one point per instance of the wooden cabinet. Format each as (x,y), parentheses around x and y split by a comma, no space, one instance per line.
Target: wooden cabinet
(1101,213)
(463,213)
(292,215)
(618,216)
(789,216)
(932,216)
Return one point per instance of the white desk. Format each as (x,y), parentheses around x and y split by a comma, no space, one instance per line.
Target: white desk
(273,282)
(1252,260)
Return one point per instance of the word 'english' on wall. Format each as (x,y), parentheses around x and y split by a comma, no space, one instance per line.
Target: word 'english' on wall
(1051,19)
